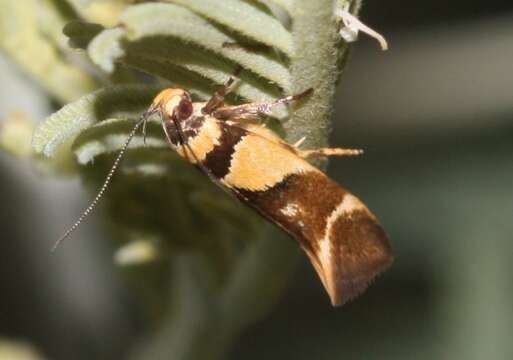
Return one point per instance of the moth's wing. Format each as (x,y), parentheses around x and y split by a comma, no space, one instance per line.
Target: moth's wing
(343,239)
(205,143)
(261,130)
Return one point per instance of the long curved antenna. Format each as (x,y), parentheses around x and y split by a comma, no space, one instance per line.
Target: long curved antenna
(106,183)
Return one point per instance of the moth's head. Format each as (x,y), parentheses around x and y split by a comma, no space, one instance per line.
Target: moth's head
(172,103)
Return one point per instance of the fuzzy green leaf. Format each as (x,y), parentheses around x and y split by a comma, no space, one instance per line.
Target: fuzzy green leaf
(116,102)
(105,49)
(244,19)
(109,136)
(179,22)
(155,53)
(196,60)
(104,12)
(285,4)
(81,33)
(177,76)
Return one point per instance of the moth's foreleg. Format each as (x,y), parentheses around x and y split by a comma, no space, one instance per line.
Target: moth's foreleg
(323,152)
(298,143)
(296,97)
(252,111)
(218,98)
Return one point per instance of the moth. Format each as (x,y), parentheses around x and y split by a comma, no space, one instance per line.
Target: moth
(342,238)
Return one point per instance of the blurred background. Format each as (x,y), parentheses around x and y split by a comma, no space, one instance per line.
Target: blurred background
(434,117)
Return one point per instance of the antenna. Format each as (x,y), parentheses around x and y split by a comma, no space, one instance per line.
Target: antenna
(106,183)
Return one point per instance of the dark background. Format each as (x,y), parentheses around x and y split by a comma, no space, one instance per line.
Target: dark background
(434,116)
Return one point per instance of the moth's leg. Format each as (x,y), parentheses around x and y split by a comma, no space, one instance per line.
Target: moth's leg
(298,143)
(252,111)
(322,152)
(217,99)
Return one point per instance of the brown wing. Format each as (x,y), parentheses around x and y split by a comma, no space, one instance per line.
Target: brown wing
(342,238)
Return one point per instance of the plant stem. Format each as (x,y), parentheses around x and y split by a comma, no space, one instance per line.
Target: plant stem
(315,65)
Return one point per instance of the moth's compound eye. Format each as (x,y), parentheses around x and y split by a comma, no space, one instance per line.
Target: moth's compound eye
(184,109)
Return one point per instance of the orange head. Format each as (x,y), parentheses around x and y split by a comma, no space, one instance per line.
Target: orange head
(172,103)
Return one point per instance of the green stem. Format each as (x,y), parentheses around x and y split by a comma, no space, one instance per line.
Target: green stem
(314,65)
